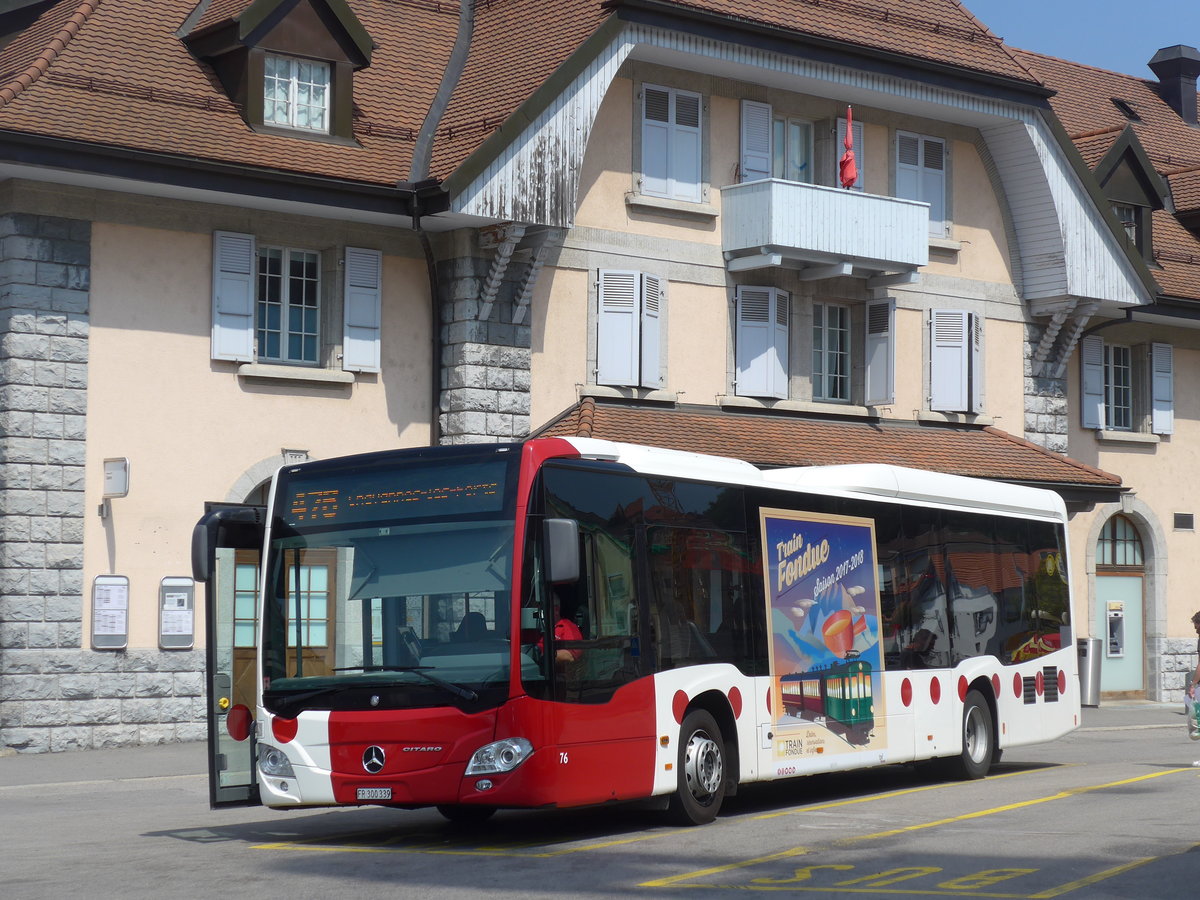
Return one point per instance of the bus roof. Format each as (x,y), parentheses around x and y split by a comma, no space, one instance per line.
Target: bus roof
(875,480)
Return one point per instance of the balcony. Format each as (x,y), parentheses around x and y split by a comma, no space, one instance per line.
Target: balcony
(824,232)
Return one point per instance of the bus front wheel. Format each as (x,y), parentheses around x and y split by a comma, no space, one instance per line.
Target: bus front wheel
(978,738)
(700,768)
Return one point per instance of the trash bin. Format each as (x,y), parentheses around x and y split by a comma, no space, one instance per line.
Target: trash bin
(1089,670)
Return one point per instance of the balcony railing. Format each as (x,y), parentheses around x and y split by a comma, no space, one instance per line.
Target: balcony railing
(771,221)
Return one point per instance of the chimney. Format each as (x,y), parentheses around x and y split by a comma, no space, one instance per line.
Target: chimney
(1176,68)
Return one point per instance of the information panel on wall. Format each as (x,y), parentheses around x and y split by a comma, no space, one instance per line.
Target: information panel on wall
(110,612)
(176,614)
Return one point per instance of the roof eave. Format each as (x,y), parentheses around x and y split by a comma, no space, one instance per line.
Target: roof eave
(670,14)
(400,199)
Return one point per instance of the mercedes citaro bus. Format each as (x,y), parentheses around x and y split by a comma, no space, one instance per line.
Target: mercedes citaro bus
(564,622)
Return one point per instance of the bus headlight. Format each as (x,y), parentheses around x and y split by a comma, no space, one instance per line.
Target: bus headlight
(500,756)
(272,761)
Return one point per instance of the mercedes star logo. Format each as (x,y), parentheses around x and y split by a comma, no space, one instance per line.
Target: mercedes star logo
(373,759)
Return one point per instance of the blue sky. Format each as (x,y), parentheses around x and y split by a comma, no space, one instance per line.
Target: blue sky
(1121,36)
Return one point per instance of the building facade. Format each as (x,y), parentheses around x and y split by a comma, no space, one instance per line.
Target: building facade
(277,234)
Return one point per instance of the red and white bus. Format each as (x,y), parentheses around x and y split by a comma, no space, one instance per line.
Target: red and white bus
(564,622)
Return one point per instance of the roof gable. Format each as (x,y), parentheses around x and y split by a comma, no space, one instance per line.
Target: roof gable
(1127,175)
(327,29)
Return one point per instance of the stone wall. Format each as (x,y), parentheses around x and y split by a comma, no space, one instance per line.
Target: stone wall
(485,372)
(55,692)
(1046,407)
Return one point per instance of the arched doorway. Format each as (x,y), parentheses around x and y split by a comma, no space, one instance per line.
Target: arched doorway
(1120,576)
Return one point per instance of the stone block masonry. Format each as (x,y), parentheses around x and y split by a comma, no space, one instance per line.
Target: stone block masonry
(55,692)
(485,363)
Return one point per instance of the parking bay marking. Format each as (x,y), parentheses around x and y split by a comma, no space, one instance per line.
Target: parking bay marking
(691,879)
(517,849)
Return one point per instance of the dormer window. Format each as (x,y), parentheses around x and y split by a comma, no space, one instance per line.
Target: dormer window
(288,65)
(296,93)
(1128,217)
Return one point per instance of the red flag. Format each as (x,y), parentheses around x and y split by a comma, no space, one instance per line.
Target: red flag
(847,165)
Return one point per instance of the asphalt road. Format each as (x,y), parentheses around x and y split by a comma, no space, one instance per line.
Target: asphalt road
(1109,811)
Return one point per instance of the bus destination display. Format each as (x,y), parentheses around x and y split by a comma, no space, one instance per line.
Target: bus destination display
(419,492)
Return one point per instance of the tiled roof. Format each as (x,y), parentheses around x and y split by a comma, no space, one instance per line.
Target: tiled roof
(122,78)
(1084,104)
(517,44)
(116,73)
(772,440)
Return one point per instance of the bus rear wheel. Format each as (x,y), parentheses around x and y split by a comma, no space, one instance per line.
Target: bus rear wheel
(978,739)
(466,815)
(700,768)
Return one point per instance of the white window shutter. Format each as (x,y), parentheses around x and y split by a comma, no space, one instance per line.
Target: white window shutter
(754,342)
(880,387)
(761,350)
(234,276)
(684,159)
(653,295)
(933,183)
(860,158)
(1162,382)
(908,166)
(1091,371)
(756,140)
(617,346)
(656,129)
(948,360)
(779,368)
(362,302)
(975,372)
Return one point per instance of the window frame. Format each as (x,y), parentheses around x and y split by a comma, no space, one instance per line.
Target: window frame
(286,307)
(780,157)
(666,144)
(293,83)
(822,355)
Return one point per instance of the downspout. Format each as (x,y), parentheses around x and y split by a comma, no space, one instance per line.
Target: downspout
(421,159)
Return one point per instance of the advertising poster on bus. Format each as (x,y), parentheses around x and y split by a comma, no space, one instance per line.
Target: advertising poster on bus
(823,609)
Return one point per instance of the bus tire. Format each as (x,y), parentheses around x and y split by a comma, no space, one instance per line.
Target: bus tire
(700,771)
(461,814)
(978,739)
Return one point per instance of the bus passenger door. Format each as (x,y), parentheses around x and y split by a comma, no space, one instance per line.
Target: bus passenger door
(602,720)
(226,554)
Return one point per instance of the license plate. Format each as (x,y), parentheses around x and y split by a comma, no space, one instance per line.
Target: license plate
(374,793)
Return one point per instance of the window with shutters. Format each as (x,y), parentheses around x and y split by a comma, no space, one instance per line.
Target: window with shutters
(629,310)
(831,352)
(1127,388)
(761,342)
(267,304)
(671,143)
(956,373)
(921,175)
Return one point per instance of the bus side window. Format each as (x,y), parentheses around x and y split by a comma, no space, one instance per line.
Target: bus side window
(698,609)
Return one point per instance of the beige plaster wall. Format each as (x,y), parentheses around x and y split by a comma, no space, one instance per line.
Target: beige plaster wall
(189,426)
(558,342)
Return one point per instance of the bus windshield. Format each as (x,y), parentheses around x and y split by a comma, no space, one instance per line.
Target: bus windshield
(388,585)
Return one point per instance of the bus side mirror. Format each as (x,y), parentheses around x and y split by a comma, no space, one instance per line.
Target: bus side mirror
(202,553)
(561,549)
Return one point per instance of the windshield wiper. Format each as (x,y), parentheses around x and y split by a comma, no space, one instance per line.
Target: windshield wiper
(455,689)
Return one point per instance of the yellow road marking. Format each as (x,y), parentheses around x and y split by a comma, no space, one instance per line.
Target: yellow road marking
(515,849)
(1008,807)
(688,876)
